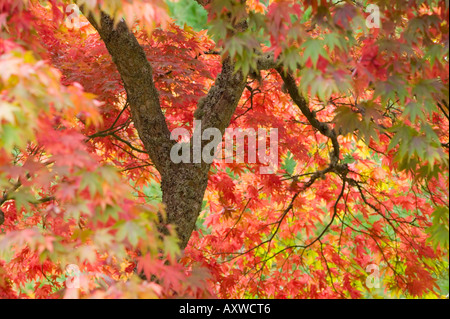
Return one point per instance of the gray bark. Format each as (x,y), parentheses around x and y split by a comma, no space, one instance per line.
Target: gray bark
(183,185)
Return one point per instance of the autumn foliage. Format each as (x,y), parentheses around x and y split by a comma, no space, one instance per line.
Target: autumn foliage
(362,176)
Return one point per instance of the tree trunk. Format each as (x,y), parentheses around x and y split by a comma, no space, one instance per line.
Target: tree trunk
(183,192)
(183,185)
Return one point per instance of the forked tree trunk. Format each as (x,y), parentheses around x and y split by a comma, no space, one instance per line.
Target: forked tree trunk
(183,185)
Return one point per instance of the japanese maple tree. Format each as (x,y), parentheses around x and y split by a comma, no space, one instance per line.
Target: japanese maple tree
(356,205)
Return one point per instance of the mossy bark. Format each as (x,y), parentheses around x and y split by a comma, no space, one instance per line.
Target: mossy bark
(183,185)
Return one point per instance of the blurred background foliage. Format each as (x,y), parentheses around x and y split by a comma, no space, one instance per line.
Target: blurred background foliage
(188,12)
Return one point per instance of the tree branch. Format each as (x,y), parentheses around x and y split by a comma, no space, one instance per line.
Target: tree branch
(267,61)
(219,104)
(142,96)
(324,128)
